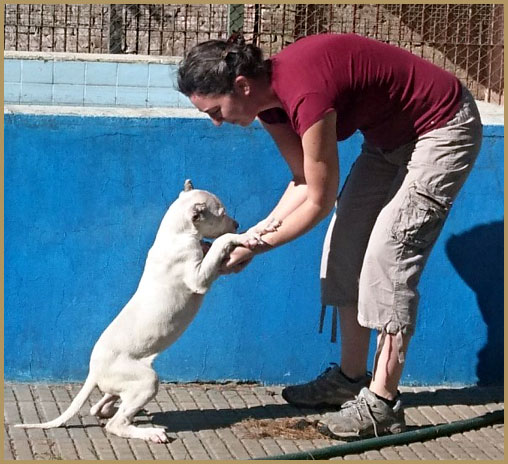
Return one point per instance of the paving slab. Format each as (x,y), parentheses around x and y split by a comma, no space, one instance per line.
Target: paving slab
(223,421)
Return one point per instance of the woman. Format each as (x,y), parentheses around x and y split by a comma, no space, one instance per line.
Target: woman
(422,133)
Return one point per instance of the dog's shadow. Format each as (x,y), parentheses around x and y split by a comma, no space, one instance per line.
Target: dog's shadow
(196,420)
(199,419)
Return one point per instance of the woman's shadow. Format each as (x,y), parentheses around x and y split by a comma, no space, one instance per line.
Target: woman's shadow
(477,256)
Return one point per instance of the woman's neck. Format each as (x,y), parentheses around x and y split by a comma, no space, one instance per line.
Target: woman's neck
(266,95)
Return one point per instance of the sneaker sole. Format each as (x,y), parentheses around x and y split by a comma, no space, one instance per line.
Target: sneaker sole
(391,430)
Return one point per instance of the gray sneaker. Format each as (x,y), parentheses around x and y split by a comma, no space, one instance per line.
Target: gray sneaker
(364,416)
(330,388)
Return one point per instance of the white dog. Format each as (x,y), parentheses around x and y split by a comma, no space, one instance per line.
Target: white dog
(177,274)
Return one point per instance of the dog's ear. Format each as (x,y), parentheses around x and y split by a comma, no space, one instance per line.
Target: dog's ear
(187,186)
(198,212)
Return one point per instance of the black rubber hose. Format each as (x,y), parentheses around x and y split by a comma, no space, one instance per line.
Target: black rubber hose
(421,434)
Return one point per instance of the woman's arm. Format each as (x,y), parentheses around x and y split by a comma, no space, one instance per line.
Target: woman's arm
(316,198)
(312,193)
(290,147)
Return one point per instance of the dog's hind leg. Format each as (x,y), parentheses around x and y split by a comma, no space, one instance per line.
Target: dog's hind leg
(140,391)
(105,409)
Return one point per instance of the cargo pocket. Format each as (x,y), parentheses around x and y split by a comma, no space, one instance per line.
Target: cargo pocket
(420,217)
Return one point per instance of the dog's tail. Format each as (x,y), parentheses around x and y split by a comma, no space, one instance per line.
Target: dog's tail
(75,406)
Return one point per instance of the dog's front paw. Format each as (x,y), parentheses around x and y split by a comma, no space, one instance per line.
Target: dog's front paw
(254,241)
(267,225)
(272,224)
(253,236)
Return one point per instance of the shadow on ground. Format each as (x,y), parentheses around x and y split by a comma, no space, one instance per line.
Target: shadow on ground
(195,420)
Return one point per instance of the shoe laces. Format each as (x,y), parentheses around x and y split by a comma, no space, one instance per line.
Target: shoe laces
(355,407)
(327,370)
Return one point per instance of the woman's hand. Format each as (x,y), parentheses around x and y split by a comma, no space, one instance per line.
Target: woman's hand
(237,261)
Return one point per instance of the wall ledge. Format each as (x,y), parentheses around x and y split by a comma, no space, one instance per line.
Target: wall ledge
(191,113)
(492,114)
(95,57)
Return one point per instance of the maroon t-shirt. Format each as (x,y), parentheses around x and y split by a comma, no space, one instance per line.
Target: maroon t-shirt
(389,94)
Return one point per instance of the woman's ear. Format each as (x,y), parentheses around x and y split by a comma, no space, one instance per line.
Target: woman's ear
(242,85)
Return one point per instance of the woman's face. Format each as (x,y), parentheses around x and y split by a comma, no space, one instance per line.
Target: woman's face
(238,107)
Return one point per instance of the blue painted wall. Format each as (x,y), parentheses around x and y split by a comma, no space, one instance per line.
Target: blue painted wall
(84,197)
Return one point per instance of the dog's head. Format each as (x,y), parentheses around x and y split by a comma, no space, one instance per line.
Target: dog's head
(206,212)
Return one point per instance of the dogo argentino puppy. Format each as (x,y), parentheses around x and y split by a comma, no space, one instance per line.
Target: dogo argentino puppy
(176,276)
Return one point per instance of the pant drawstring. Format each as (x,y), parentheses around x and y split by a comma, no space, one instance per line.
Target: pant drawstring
(378,351)
(322,318)
(335,312)
(399,344)
(399,340)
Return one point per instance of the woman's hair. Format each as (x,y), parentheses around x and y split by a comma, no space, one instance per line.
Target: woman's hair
(210,68)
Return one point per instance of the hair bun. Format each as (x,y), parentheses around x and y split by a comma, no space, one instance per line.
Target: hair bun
(236,38)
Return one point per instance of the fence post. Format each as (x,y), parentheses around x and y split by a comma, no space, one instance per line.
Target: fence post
(115,28)
(235,18)
(496,81)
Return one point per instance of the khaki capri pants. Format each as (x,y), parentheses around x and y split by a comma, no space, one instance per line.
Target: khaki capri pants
(388,217)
